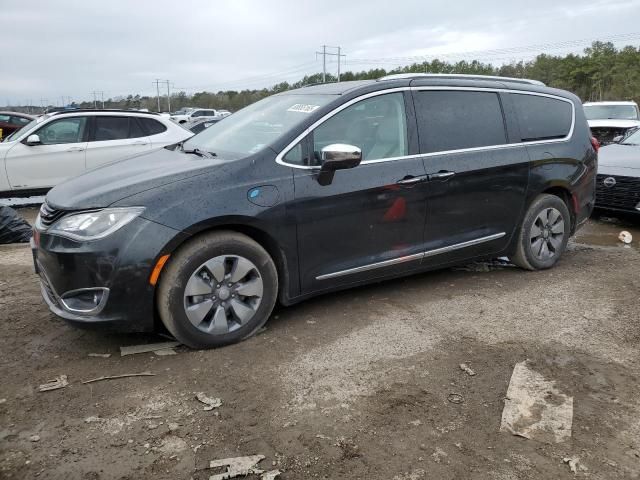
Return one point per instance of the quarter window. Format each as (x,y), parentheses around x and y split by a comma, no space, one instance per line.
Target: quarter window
(542,118)
(454,120)
(65,130)
(376,125)
(152,126)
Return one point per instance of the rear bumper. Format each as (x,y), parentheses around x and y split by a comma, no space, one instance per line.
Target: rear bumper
(117,268)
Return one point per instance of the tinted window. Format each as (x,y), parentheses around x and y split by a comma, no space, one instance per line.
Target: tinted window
(19,121)
(542,118)
(198,113)
(135,130)
(111,128)
(153,127)
(452,120)
(116,128)
(376,125)
(66,130)
(4,118)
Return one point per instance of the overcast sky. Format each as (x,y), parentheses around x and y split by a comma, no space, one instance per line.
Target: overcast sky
(73,47)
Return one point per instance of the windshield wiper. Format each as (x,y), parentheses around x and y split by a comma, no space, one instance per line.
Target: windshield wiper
(200,153)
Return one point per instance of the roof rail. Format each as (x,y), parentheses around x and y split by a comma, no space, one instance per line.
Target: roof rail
(103,110)
(461,76)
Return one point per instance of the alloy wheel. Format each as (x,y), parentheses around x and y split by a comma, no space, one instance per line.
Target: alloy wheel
(547,234)
(223,294)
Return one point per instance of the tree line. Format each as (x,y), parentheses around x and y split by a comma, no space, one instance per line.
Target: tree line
(601,72)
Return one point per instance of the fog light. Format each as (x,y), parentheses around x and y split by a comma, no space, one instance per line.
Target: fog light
(87,301)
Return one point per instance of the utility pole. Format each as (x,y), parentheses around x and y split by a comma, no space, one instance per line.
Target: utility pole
(157,82)
(95,99)
(168,97)
(324,54)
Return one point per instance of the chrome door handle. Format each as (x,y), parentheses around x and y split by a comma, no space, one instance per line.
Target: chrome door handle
(412,180)
(139,143)
(75,149)
(441,175)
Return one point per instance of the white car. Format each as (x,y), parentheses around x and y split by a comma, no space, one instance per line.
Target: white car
(198,114)
(61,145)
(609,120)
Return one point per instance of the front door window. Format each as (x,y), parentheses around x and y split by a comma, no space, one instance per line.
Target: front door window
(376,125)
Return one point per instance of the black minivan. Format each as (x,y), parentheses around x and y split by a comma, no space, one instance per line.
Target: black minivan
(314,190)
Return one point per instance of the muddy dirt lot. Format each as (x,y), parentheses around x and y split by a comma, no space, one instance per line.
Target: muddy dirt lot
(354,385)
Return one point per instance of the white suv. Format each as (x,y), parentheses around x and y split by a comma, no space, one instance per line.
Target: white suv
(611,120)
(61,145)
(198,114)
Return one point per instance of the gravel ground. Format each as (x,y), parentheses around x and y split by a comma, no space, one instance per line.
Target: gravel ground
(353,385)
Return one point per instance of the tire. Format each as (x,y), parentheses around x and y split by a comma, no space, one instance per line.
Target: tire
(198,282)
(544,233)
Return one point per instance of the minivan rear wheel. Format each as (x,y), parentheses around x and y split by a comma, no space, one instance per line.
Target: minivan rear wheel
(544,233)
(217,289)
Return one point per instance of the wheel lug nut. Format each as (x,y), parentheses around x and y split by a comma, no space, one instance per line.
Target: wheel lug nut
(218,286)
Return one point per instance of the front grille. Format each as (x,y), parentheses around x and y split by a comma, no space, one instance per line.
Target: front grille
(625,194)
(49,215)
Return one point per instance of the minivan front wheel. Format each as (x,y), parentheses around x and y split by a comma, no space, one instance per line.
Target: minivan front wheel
(218,289)
(544,233)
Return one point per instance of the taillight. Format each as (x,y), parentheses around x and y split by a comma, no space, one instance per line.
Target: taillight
(595,144)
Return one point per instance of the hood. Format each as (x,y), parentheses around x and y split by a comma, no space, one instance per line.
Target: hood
(612,122)
(105,185)
(619,159)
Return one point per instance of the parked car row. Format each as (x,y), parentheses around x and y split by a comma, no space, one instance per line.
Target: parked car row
(189,116)
(55,147)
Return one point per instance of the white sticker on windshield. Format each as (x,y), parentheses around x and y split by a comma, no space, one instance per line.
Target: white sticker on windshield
(300,107)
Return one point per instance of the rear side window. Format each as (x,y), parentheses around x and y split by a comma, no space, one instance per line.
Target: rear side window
(116,128)
(454,120)
(542,118)
(153,127)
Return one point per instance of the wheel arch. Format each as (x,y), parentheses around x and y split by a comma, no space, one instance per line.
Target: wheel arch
(255,232)
(562,191)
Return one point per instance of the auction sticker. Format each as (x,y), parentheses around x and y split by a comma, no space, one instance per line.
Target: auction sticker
(299,107)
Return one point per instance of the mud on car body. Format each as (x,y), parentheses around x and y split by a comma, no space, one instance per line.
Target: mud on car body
(315,190)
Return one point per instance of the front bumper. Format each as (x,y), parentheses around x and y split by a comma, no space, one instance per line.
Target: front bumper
(116,269)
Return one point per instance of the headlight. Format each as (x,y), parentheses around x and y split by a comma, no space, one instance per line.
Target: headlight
(94,225)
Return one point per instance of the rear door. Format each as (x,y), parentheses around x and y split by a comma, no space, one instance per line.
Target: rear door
(369,221)
(59,156)
(478,172)
(114,138)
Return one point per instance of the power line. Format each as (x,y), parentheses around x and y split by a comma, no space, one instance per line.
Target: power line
(324,54)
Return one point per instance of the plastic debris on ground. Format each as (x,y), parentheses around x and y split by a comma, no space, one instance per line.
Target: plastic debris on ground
(625,237)
(236,467)
(466,369)
(148,347)
(55,384)
(13,228)
(210,403)
(534,408)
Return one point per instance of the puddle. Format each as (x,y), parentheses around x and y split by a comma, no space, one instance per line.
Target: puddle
(604,231)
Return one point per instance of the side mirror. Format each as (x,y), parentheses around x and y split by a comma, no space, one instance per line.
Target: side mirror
(618,138)
(33,140)
(337,156)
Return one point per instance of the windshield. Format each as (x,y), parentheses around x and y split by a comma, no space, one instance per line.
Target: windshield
(256,126)
(26,129)
(633,139)
(617,112)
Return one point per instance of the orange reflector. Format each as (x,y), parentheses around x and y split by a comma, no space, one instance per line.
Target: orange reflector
(153,279)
